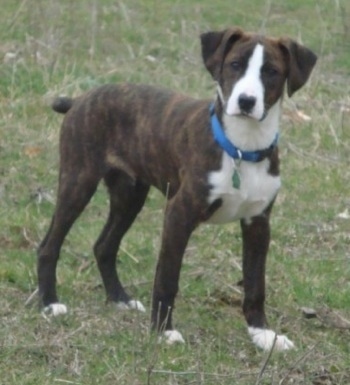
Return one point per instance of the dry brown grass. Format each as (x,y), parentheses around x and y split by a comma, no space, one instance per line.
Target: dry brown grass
(66,47)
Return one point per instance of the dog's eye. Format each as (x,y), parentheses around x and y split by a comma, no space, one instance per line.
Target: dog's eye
(270,71)
(236,65)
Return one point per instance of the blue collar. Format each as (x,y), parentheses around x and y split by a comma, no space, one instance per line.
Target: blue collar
(235,153)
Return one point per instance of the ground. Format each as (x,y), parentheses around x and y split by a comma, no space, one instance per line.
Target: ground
(50,48)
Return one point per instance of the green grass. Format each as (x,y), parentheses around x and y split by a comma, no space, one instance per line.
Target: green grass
(50,48)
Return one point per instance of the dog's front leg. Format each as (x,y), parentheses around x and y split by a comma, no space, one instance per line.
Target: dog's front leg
(179,222)
(256,239)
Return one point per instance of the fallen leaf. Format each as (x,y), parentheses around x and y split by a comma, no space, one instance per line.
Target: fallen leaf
(297,116)
(332,318)
(309,312)
(344,215)
(32,151)
(303,116)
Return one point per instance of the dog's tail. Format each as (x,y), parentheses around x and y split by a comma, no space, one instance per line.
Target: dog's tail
(62,104)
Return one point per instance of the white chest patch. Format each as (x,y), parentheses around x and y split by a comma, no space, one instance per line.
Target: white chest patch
(257,189)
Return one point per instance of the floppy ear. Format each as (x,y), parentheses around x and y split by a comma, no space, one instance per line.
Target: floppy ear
(301,61)
(215,46)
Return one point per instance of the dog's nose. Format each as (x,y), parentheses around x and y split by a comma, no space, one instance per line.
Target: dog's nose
(246,103)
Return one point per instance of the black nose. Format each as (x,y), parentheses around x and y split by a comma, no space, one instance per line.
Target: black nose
(246,103)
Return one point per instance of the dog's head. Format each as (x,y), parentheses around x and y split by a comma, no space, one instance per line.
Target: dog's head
(252,70)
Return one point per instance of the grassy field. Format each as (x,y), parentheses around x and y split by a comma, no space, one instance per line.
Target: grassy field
(50,47)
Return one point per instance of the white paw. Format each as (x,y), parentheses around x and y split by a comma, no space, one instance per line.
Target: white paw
(171,337)
(136,305)
(265,339)
(55,309)
(131,305)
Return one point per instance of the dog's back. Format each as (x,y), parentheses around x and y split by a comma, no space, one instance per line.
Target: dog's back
(118,126)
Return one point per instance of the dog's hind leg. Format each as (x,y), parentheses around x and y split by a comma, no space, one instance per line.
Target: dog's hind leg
(127,197)
(74,193)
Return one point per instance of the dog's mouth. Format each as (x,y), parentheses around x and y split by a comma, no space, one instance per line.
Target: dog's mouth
(249,115)
(246,115)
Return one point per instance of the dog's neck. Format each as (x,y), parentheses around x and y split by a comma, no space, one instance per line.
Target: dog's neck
(249,134)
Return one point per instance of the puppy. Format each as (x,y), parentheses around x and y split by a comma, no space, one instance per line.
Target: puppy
(216,162)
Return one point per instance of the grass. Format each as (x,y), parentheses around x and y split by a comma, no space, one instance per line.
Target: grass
(66,47)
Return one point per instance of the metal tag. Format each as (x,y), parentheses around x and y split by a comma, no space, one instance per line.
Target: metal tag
(236,180)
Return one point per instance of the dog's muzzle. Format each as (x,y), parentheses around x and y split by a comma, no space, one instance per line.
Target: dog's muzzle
(246,105)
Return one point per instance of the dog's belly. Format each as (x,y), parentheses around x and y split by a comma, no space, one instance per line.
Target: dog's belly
(256,191)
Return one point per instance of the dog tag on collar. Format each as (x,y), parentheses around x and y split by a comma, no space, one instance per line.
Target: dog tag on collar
(236,180)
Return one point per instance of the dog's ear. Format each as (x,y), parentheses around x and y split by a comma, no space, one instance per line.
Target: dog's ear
(300,61)
(215,46)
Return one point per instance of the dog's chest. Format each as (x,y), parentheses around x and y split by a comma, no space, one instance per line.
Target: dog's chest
(257,189)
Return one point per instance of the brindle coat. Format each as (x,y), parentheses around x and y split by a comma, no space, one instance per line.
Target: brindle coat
(137,136)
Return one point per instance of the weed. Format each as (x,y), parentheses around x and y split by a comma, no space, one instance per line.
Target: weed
(50,48)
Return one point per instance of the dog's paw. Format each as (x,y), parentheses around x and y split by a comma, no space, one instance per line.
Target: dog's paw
(131,305)
(55,309)
(136,305)
(265,339)
(171,337)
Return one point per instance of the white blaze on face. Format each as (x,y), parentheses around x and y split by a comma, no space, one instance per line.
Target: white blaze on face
(249,85)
